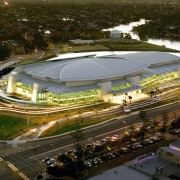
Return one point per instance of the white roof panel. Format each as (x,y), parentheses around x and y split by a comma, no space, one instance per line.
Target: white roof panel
(90,67)
(121,172)
(99,68)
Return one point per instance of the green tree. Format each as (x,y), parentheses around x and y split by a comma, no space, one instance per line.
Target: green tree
(165,120)
(55,171)
(78,135)
(39,41)
(4,52)
(143,117)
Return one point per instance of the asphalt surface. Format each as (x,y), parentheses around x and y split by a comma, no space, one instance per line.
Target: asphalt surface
(27,157)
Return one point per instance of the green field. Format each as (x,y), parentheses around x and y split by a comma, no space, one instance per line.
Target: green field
(135,46)
(11,126)
(118,45)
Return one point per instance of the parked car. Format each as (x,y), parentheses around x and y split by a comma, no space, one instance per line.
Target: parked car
(174,131)
(137,145)
(115,153)
(51,161)
(106,139)
(87,164)
(99,160)
(148,141)
(115,138)
(155,138)
(46,159)
(93,161)
(106,157)
(123,150)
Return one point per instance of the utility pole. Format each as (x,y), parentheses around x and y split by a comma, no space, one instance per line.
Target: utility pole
(4,137)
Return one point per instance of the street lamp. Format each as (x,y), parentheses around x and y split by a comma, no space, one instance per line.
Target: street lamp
(4,137)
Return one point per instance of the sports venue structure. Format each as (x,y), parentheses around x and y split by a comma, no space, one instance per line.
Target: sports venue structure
(92,76)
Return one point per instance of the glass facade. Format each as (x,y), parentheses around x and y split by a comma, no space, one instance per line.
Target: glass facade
(73,97)
(24,89)
(88,96)
(120,87)
(24,86)
(157,80)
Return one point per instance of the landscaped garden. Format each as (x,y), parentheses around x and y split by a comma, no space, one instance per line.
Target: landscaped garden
(11,126)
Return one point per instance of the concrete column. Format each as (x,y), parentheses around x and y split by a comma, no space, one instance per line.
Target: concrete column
(135,80)
(178,72)
(35,92)
(11,84)
(105,88)
(36,89)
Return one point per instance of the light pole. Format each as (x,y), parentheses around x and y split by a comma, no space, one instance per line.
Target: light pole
(4,137)
(28,121)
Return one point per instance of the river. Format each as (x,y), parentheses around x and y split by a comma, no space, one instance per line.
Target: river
(127,28)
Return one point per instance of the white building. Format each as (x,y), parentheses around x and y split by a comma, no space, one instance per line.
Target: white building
(148,166)
(80,41)
(171,153)
(90,75)
(115,34)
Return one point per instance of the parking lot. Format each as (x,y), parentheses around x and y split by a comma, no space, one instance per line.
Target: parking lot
(126,158)
(98,159)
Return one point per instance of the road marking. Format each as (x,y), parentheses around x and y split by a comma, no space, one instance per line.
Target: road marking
(10,165)
(1,159)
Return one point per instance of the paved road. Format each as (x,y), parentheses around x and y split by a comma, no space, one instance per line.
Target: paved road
(26,157)
(6,173)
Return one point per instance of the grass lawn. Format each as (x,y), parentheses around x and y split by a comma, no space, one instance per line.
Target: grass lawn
(74,124)
(136,46)
(120,45)
(11,126)
(109,46)
(70,125)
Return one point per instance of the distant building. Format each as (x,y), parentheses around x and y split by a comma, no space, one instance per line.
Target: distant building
(171,153)
(115,34)
(81,42)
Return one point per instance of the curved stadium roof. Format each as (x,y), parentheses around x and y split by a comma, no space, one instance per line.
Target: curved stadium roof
(88,69)
(97,68)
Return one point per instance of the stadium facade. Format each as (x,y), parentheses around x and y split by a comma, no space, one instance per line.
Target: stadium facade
(91,76)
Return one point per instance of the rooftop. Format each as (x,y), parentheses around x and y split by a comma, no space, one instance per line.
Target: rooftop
(144,169)
(84,68)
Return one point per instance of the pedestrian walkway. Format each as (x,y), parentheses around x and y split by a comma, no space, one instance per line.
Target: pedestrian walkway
(34,133)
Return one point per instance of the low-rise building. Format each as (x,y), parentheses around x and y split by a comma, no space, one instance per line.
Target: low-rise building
(146,167)
(171,153)
(115,34)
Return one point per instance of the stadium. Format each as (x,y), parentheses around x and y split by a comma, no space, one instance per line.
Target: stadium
(89,77)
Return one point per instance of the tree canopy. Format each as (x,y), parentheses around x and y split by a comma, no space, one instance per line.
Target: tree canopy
(4,52)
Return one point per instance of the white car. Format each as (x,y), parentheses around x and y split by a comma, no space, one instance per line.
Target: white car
(46,159)
(87,164)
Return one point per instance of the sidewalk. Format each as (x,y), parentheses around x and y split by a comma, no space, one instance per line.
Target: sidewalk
(33,134)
